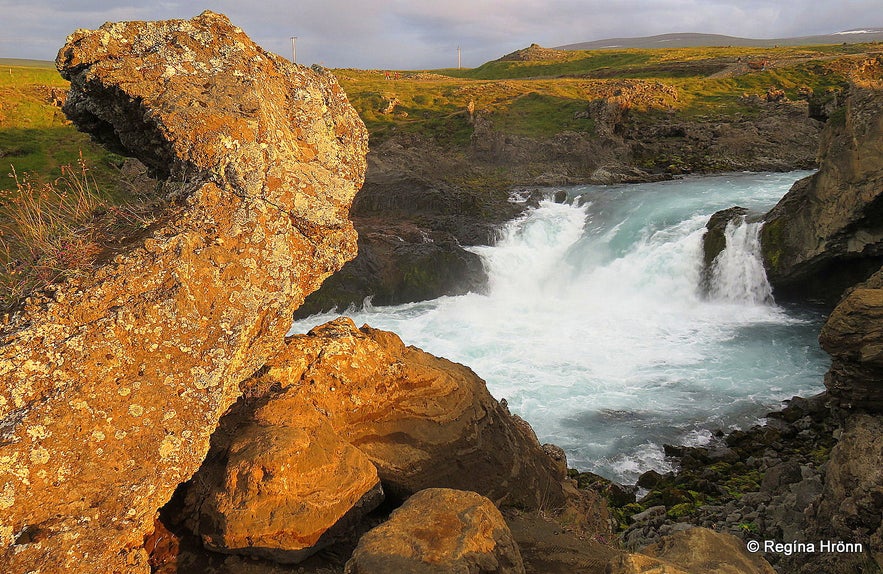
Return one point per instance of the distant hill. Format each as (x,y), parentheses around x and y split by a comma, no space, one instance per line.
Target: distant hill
(689,40)
(22,63)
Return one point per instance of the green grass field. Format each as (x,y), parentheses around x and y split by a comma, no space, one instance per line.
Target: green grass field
(35,137)
(539,98)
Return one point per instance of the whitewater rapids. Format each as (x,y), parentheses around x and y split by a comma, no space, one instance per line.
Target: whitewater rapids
(594,328)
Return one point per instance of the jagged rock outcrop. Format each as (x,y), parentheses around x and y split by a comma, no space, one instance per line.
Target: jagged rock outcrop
(111,386)
(423,421)
(399,262)
(826,234)
(279,483)
(853,336)
(437,531)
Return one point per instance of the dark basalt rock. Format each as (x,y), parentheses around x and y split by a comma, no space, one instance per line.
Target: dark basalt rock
(826,234)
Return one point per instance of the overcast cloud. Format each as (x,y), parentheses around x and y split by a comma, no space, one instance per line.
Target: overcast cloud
(424,34)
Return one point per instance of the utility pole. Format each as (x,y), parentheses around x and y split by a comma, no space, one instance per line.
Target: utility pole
(458,57)
(294,49)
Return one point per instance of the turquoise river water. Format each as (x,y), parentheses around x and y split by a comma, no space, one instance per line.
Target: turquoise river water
(595,331)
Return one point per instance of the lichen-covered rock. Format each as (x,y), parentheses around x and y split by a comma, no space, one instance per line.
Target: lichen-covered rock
(422,420)
(110,389)
(284,486)
(693,551)
(826,234)
(438,531)
(853,336)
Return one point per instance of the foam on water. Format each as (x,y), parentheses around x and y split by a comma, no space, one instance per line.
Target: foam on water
(595,331)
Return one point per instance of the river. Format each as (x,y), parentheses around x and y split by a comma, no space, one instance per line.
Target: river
(594,328)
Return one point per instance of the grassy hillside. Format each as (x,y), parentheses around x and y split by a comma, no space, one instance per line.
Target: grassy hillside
(540,97)
(35,137)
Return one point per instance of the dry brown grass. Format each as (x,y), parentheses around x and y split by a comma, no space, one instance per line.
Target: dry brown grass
(54,230)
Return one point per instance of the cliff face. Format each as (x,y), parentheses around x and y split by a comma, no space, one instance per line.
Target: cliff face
(826,234)
(110,387)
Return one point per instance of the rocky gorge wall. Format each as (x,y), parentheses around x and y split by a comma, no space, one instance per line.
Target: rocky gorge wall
(822,244)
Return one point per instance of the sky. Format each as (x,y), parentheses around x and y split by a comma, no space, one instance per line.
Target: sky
(425,34)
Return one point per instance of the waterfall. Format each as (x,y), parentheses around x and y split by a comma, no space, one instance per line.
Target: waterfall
(737,273)
(594,331)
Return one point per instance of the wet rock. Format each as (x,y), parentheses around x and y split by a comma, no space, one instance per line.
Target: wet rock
(714,241)
(438,531)
(649,479)
(399,262)
(423,421)
(109,398)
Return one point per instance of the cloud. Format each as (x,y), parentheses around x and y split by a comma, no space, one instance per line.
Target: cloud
(424,34)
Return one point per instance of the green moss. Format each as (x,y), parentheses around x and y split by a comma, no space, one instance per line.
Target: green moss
(739,484)
(681,510)
(838,116)
(771,243)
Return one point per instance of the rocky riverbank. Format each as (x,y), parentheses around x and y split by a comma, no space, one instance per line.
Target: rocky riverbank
(813,472)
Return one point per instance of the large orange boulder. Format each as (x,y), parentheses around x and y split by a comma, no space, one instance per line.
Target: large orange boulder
(111,386)
(422,420)
(437,531)
(280,484)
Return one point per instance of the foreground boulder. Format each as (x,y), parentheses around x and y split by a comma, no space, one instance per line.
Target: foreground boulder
(110,389)
(693,551)
(826,234)
(422,420)
(437,531)
(279,484)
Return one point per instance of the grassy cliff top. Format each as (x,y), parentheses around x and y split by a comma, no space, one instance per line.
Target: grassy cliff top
(536,97)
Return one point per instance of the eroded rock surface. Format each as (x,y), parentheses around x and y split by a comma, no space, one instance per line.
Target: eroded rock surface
(110,389)
(853,336)
(848,509)
(422,420)
(280,484)
(826,234)
(437,531)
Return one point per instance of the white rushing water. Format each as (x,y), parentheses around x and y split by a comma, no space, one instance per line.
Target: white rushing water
(595,331)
